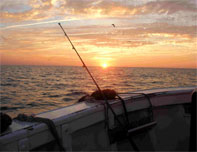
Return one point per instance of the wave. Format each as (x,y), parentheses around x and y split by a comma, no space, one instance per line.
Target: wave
(10,108)
(6,84)
(67,99)
(5,99)
(76,93)
(54,96)
(33,104)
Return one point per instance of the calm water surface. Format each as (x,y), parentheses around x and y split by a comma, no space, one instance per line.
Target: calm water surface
(34,89)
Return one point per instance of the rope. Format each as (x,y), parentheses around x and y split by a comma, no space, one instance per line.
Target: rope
(125,109)
(133,144)
(148,98)
(48,122)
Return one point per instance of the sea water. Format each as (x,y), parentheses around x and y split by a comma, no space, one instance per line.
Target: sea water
(35,89)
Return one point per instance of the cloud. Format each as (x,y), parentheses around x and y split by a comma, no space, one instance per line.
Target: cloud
(134,37)
(119,8)
(34,10)
(50,38)
(190,31)
(14,6)
(47,9)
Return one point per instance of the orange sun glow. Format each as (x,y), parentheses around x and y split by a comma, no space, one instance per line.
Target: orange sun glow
(104,65)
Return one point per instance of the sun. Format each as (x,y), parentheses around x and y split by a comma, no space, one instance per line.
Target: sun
(104,65)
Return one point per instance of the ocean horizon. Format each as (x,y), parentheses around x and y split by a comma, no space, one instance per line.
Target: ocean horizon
(99,66)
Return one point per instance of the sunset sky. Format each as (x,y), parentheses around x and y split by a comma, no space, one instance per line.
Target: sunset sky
(147,33)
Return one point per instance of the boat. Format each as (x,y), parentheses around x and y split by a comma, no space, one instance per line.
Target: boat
(159,120)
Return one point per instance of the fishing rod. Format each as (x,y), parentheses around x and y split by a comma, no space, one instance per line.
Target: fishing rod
(84,65)
(99,89)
